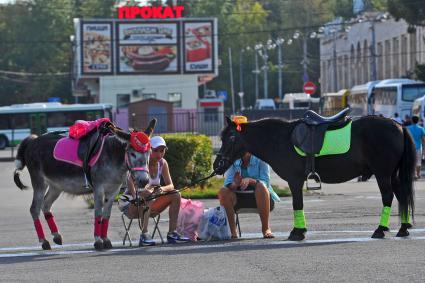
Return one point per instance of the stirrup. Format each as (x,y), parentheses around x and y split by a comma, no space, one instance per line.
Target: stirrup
(313,182)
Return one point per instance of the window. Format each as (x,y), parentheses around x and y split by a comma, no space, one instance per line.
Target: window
(176,99)
(20,121)
(123,100)
(411,92)
(73,116)
(211,115)
(4,122)
(386,96)
(148,96)
(56,119)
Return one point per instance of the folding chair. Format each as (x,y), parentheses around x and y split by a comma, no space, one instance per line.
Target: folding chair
(127,226)
(246,204)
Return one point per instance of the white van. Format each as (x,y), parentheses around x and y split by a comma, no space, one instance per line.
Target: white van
(299,100)
(265,104)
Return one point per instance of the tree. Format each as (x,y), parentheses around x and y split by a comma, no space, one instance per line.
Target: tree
(412,11)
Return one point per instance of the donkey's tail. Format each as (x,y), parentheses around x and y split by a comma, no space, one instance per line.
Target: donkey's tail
(406,175)
(20,161)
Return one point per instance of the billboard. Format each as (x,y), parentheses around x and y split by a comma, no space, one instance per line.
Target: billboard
(176,46)
(96,48)
(151,48)
(198,47)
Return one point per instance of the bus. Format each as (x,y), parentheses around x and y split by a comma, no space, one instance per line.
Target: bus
(397,96)
(20,120)
(361,98)
(333,102)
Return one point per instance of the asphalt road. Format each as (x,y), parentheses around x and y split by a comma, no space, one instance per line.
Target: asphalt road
(338,247)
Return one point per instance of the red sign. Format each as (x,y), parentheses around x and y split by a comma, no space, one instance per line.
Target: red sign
(211,104)
(309,88)
(150,12)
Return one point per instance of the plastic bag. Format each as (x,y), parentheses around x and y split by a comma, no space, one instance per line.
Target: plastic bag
(214,225)
(189,217)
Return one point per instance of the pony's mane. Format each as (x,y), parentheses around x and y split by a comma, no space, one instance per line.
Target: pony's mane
(271,122)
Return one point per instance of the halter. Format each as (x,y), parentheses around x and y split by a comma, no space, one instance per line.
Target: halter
(139,141)
(224,160)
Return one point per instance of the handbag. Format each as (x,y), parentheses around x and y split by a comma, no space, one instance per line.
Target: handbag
(214,224)
(189,217)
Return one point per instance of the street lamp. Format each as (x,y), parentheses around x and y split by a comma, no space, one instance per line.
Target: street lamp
(279,42)
(263,52)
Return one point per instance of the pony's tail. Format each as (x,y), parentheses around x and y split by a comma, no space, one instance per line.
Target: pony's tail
(406,175)
(20,161)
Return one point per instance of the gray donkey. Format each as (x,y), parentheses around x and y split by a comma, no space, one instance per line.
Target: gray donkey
(122,152)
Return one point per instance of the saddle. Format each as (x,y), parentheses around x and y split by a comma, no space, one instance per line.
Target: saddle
(89,146)
(308,135)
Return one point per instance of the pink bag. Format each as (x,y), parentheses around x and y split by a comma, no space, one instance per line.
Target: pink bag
(189,217)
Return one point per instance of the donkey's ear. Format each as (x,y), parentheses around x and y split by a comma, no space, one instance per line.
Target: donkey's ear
(151,127)
(228,121)
(121,135)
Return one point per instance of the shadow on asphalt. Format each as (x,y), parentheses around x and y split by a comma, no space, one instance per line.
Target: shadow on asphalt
(218,247)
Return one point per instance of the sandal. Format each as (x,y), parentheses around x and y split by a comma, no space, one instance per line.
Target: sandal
(268,235)
(233,237)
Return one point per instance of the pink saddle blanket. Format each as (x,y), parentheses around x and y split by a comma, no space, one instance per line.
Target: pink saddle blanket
(66,150)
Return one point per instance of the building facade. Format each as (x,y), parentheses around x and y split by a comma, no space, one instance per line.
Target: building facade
(373,49)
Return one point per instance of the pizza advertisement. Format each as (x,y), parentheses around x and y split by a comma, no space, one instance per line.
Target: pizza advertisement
(198,47)
(96,48)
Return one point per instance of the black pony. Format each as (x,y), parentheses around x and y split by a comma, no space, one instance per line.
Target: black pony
(379,146)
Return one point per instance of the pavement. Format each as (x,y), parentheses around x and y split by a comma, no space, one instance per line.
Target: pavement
(338,248)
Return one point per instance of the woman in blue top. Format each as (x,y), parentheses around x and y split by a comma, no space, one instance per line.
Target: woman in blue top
(248,173)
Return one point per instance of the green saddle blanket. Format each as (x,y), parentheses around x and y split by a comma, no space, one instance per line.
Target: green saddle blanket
(336,142)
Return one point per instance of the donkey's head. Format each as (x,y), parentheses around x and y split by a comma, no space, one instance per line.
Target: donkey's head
(137,152)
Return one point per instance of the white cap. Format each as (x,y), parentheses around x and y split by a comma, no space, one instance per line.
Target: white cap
(157,141)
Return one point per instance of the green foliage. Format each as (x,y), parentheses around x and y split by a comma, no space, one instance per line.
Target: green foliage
(189,157)
(420,72)
(412,11)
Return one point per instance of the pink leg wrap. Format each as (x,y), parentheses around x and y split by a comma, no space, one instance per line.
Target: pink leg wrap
(98,226)
(105,224)
(51,222)
(39,229)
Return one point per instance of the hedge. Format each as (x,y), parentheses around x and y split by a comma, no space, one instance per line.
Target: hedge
(189,157)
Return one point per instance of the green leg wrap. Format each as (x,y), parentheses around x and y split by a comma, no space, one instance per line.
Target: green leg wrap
(405,218)
(299,219)
(385,216)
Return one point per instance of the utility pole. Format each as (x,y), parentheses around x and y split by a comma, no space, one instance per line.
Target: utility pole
(241,71)
(266,67)
(279,42)
(256,72)
(373,75)
(232,92)
(305,60)
(334,68)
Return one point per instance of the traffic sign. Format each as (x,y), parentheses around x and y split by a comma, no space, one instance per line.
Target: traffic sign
(222,94)
(309,88)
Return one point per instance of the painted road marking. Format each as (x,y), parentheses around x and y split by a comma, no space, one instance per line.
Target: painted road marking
(218,244)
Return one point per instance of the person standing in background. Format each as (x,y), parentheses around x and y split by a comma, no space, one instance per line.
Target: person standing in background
(418,135)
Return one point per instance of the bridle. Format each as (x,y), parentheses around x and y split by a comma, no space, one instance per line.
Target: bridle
(224,161)
(130,166)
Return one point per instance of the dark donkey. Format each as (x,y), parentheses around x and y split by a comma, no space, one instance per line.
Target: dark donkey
(379,147)
(121,153)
